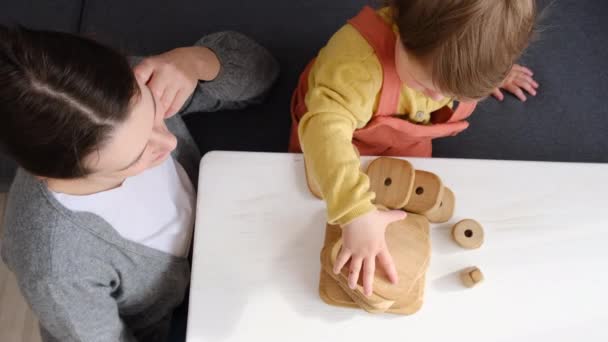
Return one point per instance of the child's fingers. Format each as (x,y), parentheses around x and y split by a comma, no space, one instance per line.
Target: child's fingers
(355,270)
(341,260)
(498,94)
(527,86)
(369,266)
(386,262)
(524,70)
(392,216)
(515,90)
(529,80)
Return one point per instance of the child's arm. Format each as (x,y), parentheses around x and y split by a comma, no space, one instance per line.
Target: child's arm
(343,87)
(224,70)
(340,100)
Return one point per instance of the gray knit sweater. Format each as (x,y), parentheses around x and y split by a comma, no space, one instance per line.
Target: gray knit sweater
(81,278)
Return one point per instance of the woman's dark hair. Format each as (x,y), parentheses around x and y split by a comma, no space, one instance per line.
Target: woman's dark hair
(61,96)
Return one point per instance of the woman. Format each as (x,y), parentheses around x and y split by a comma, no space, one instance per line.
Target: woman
(100,215)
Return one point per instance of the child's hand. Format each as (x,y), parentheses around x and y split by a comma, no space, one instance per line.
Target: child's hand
(518,80)
(172,76)
(364,241)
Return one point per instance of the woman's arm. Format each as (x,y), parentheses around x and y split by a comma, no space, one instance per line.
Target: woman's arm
(72,310)
(224,70)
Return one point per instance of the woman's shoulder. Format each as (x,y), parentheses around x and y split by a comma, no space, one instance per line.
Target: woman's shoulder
(33,227)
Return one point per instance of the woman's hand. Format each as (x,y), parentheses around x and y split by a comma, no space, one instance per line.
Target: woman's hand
(518,80)
(172,76)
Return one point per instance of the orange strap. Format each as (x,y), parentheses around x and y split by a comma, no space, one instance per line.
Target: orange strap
(381,37)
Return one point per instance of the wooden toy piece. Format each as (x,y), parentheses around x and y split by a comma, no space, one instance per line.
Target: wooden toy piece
(373,303)
(335,294)
(468,234)
(409,244)
(411,303)
(427,193)
(445,210)
(392,181)
(312,184)
(471,276)
(332,294)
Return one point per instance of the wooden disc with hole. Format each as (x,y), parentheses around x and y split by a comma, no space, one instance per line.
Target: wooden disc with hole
(445,210)
(409,244)
(426,194)
(471,276)
(468,234)
(391,180)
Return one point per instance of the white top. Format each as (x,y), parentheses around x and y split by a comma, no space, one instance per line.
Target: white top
(259,234)
(154,208)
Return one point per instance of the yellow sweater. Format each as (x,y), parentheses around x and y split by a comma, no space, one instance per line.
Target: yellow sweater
(343,92)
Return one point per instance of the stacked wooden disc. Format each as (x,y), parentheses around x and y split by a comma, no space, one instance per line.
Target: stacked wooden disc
(397,186)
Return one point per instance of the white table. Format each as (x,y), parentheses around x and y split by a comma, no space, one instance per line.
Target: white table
(259,232)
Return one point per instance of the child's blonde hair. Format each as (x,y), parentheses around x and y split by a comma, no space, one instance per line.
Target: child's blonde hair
(472,43)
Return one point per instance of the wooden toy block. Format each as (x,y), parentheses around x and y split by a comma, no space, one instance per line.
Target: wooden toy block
(468,234)
(427,193)
(392,180)
(444,212)
(333,294)
(407,301)
(373,303)
(409,244)
(333,289)
(471,276)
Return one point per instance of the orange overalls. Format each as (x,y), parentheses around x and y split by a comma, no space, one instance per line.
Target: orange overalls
(386,134)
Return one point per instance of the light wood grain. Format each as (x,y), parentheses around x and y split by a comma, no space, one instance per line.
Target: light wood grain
(392,181)
(373,303)
(334,291)
(427,193)
(17,322)
(444,212)
(409,244)
(471,276)
(468,234)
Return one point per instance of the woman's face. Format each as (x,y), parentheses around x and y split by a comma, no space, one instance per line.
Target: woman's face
(141,142)
(414,73)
